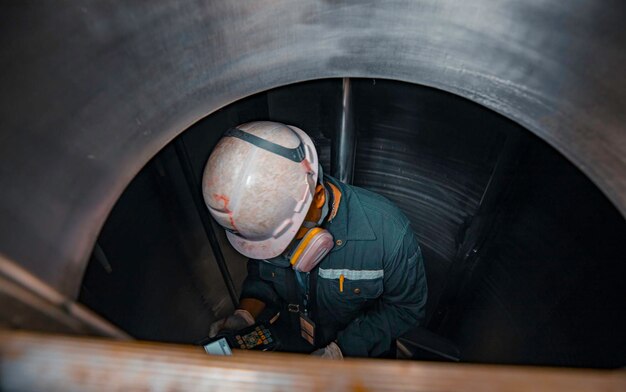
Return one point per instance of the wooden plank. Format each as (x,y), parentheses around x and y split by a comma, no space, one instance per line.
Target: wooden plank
(30,361)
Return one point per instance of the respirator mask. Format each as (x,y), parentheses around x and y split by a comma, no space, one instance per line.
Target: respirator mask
(306,253)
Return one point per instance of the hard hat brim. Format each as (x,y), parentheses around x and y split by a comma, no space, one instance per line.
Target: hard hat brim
(273,246)
(263,249)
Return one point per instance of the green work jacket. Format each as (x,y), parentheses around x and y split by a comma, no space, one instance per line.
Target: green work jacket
(384,290)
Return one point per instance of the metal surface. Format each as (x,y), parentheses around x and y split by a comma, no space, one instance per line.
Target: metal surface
(458,178)
(344,143)
(473,232)
(432,154)
(196,193)
(547,286)
(30,362)
(101,257)
(92,91)
(166,284)
(27,302)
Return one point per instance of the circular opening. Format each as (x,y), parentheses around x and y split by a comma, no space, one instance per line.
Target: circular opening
(521,249)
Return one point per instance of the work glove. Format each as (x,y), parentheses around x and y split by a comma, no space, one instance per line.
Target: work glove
(332,351)
(236,321)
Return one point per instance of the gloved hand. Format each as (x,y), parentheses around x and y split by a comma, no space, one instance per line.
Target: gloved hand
(332,351)
(236,321)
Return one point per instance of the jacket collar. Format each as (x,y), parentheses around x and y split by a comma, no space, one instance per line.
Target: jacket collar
(350,223)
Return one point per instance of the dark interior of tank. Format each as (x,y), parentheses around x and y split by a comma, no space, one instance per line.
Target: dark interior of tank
(523,252)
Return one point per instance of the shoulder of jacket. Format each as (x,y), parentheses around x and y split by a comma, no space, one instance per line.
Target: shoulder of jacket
(375,204)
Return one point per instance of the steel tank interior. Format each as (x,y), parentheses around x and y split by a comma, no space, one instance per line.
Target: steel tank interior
(523,252)
(497,126)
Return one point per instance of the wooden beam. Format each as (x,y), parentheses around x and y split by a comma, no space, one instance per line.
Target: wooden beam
(30,361)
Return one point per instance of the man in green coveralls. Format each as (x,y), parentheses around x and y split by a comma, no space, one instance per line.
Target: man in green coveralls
(341,264)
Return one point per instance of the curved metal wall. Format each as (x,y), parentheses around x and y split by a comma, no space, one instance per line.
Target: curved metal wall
(522,252)
(92,91)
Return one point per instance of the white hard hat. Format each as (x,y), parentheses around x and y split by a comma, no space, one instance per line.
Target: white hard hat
(259,183)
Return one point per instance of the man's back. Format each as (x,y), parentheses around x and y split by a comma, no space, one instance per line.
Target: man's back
(370,288)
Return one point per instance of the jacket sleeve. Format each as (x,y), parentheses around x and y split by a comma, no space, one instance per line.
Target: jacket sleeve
(401,306)
(255,287)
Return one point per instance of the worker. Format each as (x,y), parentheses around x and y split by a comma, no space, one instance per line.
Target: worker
(340,264)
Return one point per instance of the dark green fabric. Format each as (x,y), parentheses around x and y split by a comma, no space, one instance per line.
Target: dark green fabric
(378,248)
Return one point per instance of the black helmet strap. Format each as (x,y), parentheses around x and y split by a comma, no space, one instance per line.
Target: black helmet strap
(293,154)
